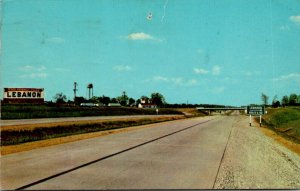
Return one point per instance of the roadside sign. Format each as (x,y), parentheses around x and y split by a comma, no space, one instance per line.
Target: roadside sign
(255,110)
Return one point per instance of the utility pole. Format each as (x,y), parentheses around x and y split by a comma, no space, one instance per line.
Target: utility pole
(75,90)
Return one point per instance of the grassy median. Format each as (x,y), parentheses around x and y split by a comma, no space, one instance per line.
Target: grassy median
(23,134)
(43,111)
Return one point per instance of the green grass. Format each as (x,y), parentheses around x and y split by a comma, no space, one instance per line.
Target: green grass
(284,121)
(13,137)
(42,111)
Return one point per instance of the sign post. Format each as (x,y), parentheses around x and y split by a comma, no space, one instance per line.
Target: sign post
(260,120)
(256,110)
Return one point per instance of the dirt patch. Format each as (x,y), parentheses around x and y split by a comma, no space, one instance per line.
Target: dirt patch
(55,141)
(289,144)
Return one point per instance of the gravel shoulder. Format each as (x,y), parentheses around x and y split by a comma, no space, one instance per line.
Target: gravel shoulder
(253,160)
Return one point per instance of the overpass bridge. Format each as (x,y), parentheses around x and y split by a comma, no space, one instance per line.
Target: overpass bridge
(210,109)
(220,108)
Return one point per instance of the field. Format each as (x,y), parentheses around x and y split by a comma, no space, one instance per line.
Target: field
(31,111)
(284,121)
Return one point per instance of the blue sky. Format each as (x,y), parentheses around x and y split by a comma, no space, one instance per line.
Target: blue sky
(196,51)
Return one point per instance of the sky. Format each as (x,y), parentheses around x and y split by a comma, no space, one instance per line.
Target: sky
(191,51)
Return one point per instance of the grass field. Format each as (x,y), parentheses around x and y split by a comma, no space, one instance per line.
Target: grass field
(42,111)
(284,121)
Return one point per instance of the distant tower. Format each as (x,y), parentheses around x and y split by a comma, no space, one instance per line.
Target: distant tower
(75,90)
(90,87)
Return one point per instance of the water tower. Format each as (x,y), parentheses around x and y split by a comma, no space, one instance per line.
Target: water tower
(90,87)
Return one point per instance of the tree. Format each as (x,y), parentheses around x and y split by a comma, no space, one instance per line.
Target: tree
(293,99)
(158,99)
(79,100)
(123,99)
(275,102)
(144,99)
(264,99)
(114,100)
(105,100)
(285,100)
(60,98)
(131,101)
(137,102)
(95,99)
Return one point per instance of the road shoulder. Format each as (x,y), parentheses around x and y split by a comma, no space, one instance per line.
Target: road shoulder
(255,161)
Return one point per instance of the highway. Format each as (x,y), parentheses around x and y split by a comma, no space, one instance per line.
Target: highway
(182,154)
(178,154)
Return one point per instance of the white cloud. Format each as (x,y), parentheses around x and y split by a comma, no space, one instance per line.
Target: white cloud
(200,51)
(33,72)
(142,36)
(192,82)
(122,68)
(34,75)
(29,68)
(251,73)
(41,68)
(61,70)
(295,19)
(200,71)
(160,78)
(178,81)
(292,76)
(139,36)
(55,40)
(216,70)
(26,68)
(218,90)
(284,28)
(247,57)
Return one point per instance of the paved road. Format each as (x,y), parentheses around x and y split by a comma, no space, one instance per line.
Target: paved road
(179,154)
(68,119)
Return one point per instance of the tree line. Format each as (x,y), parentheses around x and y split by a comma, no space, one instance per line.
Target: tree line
(291,100)
(124,100)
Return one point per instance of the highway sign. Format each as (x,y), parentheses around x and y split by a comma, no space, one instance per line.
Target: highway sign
(255,110)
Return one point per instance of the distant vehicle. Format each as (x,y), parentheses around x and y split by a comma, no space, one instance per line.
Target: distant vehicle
(89,104)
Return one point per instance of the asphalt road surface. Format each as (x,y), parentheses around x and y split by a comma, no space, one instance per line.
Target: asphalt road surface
(183,154)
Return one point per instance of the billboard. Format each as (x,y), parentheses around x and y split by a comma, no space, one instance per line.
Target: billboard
(23,95)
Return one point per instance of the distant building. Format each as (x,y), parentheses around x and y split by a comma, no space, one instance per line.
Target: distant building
(147,105)
(23,95)
(89,104)
(114,105)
